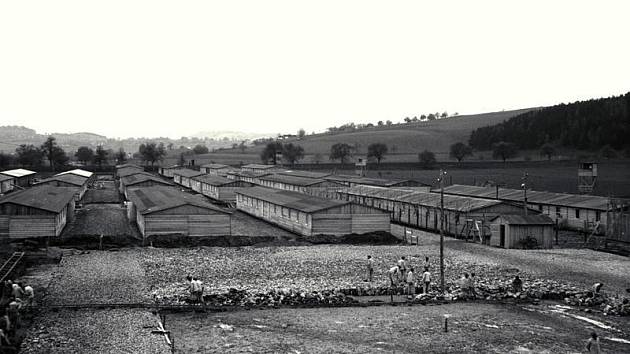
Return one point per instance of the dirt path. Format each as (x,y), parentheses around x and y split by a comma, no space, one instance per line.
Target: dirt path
(473,328)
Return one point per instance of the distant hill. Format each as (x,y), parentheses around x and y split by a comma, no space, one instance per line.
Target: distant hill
(583,125)
(408,138)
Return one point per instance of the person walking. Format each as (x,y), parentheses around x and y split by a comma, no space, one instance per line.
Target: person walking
(402,264)
(426,262)
(517,284)
(592,346)
(370,268)
(426,280)
(411,284)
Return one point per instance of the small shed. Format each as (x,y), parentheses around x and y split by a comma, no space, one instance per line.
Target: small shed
(218,188)
(215,169)
(184,176)
(23,178)
(511,231)
(6,183)
(81,173)
(168,211)
(141,180)
(41,211)
(308,215)
(68,180)
(167,171)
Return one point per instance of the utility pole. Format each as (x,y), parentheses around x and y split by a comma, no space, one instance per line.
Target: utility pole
(524,187)
(441,180)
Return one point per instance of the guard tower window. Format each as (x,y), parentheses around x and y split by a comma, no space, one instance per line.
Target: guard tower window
(577,213)
(598,215)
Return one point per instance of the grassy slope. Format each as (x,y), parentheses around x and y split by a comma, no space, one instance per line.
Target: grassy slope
(409,139)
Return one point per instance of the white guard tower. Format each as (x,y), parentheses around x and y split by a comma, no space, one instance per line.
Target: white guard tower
(587,176)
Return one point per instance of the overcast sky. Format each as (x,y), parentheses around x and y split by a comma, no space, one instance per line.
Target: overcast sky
(172,68)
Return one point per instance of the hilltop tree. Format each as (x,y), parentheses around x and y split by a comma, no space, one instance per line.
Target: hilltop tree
(503,150)
(377,151)
(84,154)
(53,152)
(29,155)
(242,146)
(388,122)
(269,152)
(101,156)
(380,123)
(340,151)
(292,153)
(427,159)
(318,158)
(547,150)
(200,149)
(182,159)
(151,152)
(121,156)
(6,159)
(301,133)
(170,146)
(460,150)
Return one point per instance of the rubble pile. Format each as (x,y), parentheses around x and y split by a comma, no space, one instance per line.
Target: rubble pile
(273,298)
(609,305)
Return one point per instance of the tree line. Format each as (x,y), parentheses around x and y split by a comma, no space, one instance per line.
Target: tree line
(598,124)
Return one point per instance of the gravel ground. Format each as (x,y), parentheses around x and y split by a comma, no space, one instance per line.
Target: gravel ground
(94,331)
(473,328)
(342,266)
(100,219)
(247,225)
(98,277)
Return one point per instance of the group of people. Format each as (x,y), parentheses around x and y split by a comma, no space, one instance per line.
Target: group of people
(15,297)
(196,289)
(403,274)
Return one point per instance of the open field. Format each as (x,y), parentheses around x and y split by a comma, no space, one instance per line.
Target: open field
(473,328)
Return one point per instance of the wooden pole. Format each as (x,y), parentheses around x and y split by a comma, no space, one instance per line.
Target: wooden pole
(441,179)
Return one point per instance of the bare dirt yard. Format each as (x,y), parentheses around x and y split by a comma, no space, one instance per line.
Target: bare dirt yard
(104,192)
(473,328)
(100,219)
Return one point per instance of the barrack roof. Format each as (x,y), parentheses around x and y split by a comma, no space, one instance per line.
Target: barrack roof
(78,172)
(214,180)
(185,172)
(66,178)
(151,199)
(538,197)
(142,177)
(44,197)
(527,219)
(294,180)
(291,200)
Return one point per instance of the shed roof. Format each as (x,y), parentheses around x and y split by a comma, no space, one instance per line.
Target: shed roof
(292,200)
(44,197)
(185,172)
(214,180)
(78,172)
(152,199)
(66,178)
(19,172)
(539,197)
(130,180)
(293,180)
(171,167)
(538,219)
(306,174)
(215,166)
